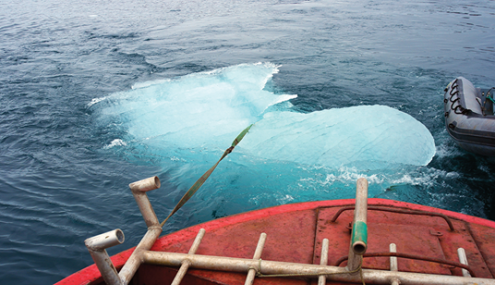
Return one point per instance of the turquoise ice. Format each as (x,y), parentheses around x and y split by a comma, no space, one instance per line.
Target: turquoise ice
(195,117)
(365,137)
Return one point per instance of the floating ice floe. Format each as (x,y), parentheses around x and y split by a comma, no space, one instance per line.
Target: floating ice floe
(201,113)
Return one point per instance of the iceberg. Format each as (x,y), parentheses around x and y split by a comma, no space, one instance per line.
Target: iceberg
(203,113)
(184,125)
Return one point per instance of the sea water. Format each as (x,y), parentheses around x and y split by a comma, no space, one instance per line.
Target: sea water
(96,95)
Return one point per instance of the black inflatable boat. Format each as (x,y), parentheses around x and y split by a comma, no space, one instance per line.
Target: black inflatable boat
(469,117)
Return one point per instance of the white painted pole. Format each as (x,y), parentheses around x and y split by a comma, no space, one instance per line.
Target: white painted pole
(463,259)
(393,264)
(311,270)
(97,246)
(257,256)
(359,228)
(185,265)
(323,261)
(139,190)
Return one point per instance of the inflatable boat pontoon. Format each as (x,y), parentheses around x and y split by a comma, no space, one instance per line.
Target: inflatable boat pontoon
(469,116)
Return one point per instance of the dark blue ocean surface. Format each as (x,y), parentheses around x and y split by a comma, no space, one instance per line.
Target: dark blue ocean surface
(66,162)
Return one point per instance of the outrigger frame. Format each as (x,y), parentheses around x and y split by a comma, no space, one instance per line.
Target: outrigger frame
(353,272)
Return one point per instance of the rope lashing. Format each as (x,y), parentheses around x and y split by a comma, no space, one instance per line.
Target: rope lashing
(205,176)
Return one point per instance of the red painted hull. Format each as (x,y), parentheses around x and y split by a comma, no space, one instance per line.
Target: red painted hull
(294,234)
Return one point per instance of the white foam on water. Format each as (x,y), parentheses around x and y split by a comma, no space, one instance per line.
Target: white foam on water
(425,178)
(149,83)
(114,143)
(96,101)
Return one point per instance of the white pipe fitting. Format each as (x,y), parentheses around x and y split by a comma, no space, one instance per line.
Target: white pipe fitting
(97,246)
(105,240)
(139,189)
(145,185)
